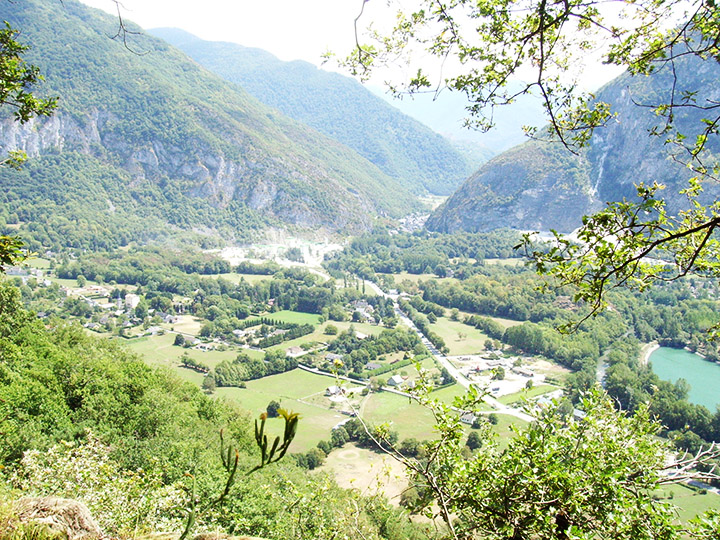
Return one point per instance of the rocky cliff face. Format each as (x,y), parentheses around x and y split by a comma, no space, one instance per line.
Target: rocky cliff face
(541,186)
(532,186)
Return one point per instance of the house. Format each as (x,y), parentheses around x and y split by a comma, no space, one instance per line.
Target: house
(468,418)
(331,357)
(523,371)
(372,365)
(334,391)
(294,352)
(131,301)
(167,318)
(395,380)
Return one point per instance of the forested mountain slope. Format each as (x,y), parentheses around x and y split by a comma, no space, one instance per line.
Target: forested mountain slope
(145,141)
(540,185)
(337,106)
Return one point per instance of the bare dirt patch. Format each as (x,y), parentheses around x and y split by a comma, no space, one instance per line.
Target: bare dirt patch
(368,472)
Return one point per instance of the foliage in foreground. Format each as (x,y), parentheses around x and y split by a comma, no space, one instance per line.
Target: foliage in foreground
(557,479)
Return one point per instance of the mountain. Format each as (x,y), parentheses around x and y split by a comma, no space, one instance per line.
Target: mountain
(445,112)
(542,186)
(145,142)
(337,106)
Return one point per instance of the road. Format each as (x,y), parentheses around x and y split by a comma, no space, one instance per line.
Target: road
(444,361)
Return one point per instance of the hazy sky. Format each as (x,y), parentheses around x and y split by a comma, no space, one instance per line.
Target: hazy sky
(290,29)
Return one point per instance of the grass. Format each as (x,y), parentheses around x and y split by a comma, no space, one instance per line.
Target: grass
(449,393)
(515,261)
(449,330)
(526,394)
(232,277)
(295,317)
(405,416)
(505,323)
(38,262)
(186,324)
(160,351)
(369,472)
(292,389)
(319,334)
(504,427)
(690,503)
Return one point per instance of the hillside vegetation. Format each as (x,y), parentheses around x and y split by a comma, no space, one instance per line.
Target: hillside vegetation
(145,143)
(337,106)
(80,417)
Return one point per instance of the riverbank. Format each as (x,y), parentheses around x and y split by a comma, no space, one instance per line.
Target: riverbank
(647,350)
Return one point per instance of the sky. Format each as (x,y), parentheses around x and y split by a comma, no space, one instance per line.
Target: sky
(289,29)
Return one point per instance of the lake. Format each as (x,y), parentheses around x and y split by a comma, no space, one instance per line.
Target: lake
(702,376)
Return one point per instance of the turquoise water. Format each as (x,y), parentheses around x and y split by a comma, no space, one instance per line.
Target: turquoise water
(702,376)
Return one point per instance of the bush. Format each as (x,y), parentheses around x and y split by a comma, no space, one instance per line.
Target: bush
(272,409)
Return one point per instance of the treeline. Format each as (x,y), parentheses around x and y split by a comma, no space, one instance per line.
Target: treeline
(423,324)
(245,368)
(486,325)
(358,352)
(422,252)
(293,332)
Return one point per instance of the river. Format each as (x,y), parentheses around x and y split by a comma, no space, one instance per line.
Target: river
(702,376)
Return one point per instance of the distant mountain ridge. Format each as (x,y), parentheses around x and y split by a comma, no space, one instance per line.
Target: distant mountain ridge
(542,186)
(147,143)
(337,106)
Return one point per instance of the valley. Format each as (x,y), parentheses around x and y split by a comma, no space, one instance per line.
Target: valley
(245,296)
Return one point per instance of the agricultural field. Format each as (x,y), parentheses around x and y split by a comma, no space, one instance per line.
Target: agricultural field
(369,472)
(403,415)
(512,261)
(690,501)
(460,338)
(160,351)
(533,392)
(319,334)
(186,324)
(294,391)
(237,278)
(38,262)
(295,317)
(505,323)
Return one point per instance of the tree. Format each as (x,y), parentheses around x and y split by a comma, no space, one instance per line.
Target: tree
(494,40)
(339,437)
(16,80)
(331,330)
(473,441)
(208,383)
(559,478)
(272,409)
(179,340)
